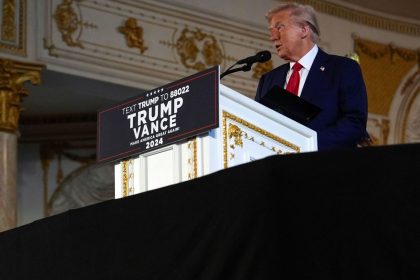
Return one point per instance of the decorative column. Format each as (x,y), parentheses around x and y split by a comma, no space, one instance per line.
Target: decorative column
(13,74)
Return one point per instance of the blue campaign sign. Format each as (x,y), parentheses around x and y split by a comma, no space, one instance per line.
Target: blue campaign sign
(159,117)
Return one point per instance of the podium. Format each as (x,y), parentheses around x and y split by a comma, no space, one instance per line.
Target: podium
(247,131)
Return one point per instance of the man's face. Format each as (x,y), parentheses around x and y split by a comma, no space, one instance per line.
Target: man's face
(286,36)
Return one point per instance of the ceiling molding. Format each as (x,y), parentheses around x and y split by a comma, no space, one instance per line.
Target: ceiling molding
(364,18)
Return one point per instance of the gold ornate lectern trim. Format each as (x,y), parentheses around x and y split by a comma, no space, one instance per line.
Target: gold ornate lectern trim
(233,131)
(124,178)
(127,177)
(192,160)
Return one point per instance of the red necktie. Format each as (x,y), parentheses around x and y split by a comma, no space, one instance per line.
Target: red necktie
(293,84)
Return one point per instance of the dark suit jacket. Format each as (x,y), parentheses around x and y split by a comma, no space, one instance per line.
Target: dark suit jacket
(336,85)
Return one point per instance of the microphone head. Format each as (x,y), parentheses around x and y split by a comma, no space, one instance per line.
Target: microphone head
(263,56)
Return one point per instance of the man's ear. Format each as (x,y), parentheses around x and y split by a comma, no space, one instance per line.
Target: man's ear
(305,31)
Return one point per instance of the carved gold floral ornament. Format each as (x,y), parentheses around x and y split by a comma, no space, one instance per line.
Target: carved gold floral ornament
(236,133)
(133,34)
(198,50)
(68,23)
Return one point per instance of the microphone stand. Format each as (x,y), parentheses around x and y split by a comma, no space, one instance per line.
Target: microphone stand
(243,68)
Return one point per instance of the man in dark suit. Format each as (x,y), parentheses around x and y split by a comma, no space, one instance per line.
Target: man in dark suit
(333,83)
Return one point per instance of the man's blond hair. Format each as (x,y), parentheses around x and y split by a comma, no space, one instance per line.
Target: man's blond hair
(300,14)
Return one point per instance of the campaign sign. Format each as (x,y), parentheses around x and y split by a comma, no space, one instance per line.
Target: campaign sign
(159,117)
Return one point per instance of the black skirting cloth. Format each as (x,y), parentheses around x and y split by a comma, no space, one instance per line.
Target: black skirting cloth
(351,214)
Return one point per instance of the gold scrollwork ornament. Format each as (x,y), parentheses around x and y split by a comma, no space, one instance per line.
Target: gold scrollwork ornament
(67,22)
(133,34)
(193,43)
(236,133)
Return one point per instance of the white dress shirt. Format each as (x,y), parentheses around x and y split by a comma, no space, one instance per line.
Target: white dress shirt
(306,61)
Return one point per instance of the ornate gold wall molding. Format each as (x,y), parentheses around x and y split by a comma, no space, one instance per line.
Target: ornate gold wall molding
(8,28)
(13,75)
(384,67)
(167,41)
(363,17)
(13,27)
(69,23)
(196,49)
(133,34)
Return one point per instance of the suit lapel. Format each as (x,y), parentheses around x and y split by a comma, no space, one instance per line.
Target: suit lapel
(315,76)
(281,75)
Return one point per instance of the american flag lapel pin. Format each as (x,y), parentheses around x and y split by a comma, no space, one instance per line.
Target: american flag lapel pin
(322,68)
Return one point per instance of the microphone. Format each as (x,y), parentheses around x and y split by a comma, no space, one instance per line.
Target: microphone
(261,56)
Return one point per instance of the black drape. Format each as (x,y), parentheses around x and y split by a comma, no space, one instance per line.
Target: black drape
(351,214)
